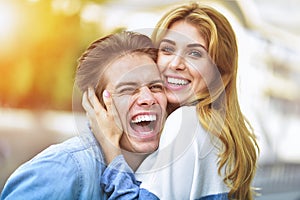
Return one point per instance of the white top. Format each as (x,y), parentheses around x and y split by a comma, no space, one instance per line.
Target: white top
(185,165)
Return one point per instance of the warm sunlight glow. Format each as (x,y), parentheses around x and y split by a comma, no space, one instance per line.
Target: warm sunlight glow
(32,1)
(8,20)
(68,7)
(92,13)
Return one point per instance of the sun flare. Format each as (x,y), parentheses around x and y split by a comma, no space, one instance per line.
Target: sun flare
(8,20)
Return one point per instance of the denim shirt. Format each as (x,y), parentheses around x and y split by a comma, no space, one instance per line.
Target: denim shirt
(73,170)
(76,169)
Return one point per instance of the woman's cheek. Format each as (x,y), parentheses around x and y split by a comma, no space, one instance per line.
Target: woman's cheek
(162,63)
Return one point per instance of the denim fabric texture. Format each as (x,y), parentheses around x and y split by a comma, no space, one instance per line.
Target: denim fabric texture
(72,170)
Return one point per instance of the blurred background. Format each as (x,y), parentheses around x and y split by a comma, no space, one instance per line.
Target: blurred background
(41,40)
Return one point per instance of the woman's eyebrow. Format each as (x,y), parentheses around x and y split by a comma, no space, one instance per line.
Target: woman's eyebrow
(189,45)
(196,45)
(168,41)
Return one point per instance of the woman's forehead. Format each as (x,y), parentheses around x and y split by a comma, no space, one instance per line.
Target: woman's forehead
(185,33)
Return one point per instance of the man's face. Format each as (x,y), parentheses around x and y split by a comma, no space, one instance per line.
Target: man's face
(138,94)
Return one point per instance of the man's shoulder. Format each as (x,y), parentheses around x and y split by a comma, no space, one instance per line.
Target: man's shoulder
(79,149)
(70,166)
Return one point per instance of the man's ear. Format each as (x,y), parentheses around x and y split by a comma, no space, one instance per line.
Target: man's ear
(99,96)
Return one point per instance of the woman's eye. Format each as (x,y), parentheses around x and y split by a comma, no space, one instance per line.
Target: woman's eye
(195,53)
(167,49)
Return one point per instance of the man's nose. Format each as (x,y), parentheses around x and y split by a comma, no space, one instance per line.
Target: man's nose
(146,97)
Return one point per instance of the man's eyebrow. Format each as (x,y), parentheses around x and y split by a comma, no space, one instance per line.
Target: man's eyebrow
(122,84)
(156,81)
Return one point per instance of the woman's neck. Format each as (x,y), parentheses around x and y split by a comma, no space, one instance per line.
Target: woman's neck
(171,107)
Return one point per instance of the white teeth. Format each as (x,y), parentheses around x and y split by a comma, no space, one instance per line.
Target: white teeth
(177,81)
(144,118)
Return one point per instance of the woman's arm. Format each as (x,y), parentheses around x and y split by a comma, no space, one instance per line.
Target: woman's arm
(104,123)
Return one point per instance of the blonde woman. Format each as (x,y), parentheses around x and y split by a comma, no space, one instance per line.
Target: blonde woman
(198,58)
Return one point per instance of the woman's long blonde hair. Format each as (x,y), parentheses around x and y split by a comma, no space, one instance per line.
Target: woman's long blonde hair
(220,113)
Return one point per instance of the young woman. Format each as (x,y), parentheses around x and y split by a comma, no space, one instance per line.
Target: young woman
(198,58)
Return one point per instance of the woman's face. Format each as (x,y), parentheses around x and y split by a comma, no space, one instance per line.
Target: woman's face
(184,63)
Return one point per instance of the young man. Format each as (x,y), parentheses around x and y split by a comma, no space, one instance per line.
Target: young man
(122,65)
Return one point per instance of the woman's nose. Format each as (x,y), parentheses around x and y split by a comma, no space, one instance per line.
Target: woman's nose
(177,62)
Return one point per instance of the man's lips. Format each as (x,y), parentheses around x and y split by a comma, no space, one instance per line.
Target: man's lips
(143,118)
(144,124)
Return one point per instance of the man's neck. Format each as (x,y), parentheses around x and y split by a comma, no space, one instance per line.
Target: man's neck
(134,160)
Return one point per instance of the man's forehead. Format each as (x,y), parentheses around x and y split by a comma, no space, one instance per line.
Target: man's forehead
(139,73)
(132,70)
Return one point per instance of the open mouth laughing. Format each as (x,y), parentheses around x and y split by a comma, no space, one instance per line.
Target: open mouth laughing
(144,124)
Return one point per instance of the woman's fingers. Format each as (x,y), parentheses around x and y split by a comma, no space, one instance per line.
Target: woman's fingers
(98,109)
(109,104)
(107,100)
(103,122)
(108,119)
(111,109)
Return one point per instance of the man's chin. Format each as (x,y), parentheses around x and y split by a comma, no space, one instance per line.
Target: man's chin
(145,147)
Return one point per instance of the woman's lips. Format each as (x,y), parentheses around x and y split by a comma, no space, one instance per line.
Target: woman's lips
(176,83)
